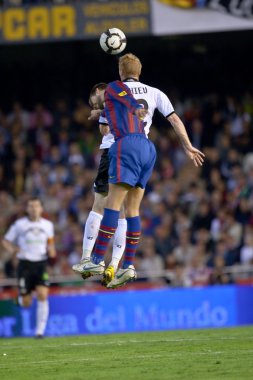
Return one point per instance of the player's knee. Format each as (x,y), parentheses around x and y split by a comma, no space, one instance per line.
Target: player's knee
(98,209)
(99,203)
(42,298)
(42,293)
(26,302)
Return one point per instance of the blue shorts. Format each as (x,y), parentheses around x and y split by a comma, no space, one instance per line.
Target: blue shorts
(132,159)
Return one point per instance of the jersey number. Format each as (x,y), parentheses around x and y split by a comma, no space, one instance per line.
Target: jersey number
(144,103)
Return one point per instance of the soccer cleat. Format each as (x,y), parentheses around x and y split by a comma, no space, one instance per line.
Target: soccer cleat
(109,275)
(86,275)
(122,277)
(91,269)
(38,336)
(78,268)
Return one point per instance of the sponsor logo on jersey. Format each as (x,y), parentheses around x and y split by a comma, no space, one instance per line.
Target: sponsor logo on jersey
(122,93)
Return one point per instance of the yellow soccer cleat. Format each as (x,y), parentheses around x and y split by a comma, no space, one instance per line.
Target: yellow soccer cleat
(109,275)
(122,277)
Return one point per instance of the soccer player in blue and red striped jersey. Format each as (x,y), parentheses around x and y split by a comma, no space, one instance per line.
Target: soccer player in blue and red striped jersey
(132,158)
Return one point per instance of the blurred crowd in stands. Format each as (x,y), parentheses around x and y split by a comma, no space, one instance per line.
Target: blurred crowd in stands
(196,222)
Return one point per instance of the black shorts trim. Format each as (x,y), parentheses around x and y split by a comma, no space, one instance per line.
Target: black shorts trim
(101,180)
(31,274)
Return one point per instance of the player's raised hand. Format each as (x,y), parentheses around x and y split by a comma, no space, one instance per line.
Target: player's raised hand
(94,114)
(141,113)
(195,155)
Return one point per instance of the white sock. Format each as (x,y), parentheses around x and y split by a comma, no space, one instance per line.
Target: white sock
(90,233)
(119,243)
(42,316)
(20,300)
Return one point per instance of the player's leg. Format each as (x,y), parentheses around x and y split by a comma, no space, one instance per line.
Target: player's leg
(145,163)
(42,311)
(92,224)
(126,159)
(127,272)
(94,219)
(91,230)
(24,298)
(41,285)
(95,216)
(109,223)
(118,248)
(119,241)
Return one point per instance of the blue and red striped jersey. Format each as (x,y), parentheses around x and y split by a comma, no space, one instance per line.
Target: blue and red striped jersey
(120,106)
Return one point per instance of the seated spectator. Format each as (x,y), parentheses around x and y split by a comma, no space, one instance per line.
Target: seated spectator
(40,117)
(233,228)
(164,240)
(203,217)
(196,272)
(184,251)
(176,277)
(75,155)
(219,276)
(151,264)
(19,114)
(246,254)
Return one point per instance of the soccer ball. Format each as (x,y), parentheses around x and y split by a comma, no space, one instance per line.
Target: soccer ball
(113,41)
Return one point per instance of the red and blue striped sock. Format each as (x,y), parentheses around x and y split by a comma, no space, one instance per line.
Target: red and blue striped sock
(132,240)
(107,229)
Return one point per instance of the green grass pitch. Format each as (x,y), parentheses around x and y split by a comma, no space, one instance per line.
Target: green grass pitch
(172,355)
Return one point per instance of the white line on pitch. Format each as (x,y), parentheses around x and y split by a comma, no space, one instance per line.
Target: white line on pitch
(134,341)
(151,356)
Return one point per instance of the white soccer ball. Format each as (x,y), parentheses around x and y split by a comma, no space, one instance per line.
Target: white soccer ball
(113,41)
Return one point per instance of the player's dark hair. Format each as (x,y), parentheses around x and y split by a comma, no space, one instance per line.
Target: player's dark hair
(35,199)
(98,86)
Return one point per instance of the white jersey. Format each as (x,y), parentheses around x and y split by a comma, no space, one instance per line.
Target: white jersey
(108,139)
(31,237)
(151,98)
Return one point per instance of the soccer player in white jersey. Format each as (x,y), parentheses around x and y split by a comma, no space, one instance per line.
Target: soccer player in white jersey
(31,239)
(151,98)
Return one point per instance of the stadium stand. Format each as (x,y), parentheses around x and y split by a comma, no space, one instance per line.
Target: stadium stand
(197,223)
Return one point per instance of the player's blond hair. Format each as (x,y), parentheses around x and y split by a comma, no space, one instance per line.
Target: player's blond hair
(129,66)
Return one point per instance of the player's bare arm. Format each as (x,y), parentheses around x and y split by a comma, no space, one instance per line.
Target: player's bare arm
(141,113)
(10,247)
(194,154)
(51,251)
(94,114)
